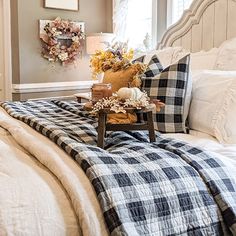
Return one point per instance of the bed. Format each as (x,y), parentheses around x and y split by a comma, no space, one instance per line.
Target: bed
(43,192)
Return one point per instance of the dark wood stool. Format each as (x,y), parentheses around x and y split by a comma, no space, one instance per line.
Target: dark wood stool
(103,126)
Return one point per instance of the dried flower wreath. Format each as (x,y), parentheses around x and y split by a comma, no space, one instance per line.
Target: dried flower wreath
(62,41)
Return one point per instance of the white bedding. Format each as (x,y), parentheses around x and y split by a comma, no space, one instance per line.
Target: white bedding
(213,104)
(32,201)
(21,175)
(72,177)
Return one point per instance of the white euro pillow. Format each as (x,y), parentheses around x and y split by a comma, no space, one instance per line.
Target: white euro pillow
(204,60)
(213,105)
(226,59)
(167,56)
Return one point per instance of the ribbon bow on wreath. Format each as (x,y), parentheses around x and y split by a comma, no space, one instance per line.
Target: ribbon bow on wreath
(62,41)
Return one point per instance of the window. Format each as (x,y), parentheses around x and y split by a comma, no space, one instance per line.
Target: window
(139,30)
(135,21)
(175,10)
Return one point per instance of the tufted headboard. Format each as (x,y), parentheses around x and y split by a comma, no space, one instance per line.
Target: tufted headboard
(205,25)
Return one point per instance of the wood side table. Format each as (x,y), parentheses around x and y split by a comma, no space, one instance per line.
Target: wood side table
(103,126)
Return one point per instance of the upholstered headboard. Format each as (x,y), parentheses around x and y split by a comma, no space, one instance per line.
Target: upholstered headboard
(205,25)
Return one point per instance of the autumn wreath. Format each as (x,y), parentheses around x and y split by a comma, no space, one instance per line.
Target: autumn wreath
(62,41)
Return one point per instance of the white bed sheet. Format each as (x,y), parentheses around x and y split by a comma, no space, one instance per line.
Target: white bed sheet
(79,189)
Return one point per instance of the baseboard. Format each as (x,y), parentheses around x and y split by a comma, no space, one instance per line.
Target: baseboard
(52,87)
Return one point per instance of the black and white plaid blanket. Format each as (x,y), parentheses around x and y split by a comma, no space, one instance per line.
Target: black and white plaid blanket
(161,188)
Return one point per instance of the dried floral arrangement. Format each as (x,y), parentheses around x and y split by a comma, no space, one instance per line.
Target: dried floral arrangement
(119,105)
(62,41)
(115,57)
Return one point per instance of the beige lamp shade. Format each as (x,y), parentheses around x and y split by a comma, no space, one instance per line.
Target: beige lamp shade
(97,41)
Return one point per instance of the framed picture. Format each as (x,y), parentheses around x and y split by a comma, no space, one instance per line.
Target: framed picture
(70,5)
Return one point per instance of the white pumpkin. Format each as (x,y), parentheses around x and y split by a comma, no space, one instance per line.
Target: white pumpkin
(130,93)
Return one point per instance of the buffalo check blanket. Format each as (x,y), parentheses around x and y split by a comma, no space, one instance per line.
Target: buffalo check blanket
(161,188)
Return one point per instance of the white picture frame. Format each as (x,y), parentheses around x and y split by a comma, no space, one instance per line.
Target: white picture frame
(69,5)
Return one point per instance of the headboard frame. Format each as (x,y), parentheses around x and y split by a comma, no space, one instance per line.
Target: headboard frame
(205,25)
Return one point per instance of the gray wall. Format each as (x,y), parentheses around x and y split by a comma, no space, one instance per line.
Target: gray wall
(1,54)
(15,42)
(28,65)
(109,14)
(161,18)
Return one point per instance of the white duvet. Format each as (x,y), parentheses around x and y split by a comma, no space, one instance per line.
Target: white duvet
(32,200)
(44,192)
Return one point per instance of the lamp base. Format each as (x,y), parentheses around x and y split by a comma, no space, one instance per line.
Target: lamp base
(100,77)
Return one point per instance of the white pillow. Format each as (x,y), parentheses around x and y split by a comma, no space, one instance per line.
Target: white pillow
(204,60)
(167,56)
(226,59)
(213,105)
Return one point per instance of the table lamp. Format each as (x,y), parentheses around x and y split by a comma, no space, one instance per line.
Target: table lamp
(98,41)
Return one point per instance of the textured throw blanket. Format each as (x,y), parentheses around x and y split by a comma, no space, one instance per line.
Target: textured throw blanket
(161,188)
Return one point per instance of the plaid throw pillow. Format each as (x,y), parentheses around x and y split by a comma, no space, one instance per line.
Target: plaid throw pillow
(170,87)
(154,67)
